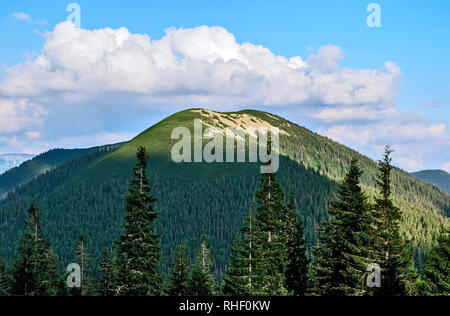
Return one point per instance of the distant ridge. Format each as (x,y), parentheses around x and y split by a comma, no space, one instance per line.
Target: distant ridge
(29,169)
(9,161)
(439,178)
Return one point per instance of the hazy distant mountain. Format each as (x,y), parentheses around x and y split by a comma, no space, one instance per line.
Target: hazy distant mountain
(439,178)
(9,161)
(16,175)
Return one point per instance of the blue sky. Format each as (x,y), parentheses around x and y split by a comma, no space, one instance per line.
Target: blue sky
(413,35)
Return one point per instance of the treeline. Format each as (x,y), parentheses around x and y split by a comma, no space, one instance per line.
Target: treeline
(359,251)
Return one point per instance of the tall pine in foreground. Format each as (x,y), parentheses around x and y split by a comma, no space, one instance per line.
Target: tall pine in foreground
(436,273)
(271,255)
(35,270)
(239,278)
(3,277)
(297,275)
(138,249)
(340,260)
(201,281)
(398,275)
(179,274)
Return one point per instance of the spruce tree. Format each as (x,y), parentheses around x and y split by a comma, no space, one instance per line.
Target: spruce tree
(239,278)
(201,281)
(340,260)
(83,254)
(106,280)
(297,275)
(398,274)
(35,270)
(436,273)
(179,274)
(138,248)
(271,255)
(3,277)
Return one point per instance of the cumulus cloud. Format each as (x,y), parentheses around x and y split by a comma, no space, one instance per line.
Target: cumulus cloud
(417,142)
(85,83)
(203,64)
(19,115)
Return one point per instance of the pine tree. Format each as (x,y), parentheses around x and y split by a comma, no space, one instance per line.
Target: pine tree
(3,277)
(106,280)
(239,278)
(62,287)
(436,273)
(340,260)
(201,280)
(179,274)
(35,271)
(83,254)
(138,249)
(297,275)
(398,275)
(271,255)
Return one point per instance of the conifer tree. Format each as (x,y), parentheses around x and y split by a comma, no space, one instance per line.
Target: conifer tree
(398,275)
(62,287)
(138,249)
(340,260)
(297,275)
(271,255)
(3,277)
(436,273)
(239,278)
(106,279)
(179,274)
(35,270)
(83,254)
(201,280)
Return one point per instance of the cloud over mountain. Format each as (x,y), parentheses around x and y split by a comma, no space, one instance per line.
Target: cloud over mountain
(88,82)
(202,64)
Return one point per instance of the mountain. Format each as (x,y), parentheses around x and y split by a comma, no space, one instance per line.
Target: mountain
(32,168)
(8,161)
(439,178)
(86,195)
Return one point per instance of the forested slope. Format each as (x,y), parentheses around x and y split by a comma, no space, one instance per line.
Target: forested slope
(85,196)
(439,178)
(40,164)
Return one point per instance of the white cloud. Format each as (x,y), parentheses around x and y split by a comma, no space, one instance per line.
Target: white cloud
(333,114)
(74,93)
(446,166)
(202,64)
(327,59)
(19,115)
(21,16)
(417,142)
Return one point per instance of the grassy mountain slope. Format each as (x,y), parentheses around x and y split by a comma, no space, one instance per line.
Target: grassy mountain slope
(439,178)
(86,195)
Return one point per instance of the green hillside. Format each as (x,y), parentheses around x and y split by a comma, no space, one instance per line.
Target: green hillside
(40,164)
(439,178)
(85,196)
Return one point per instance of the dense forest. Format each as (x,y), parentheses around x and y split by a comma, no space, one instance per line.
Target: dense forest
(439,178)
(203,203)
(269,256)
(41,164)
